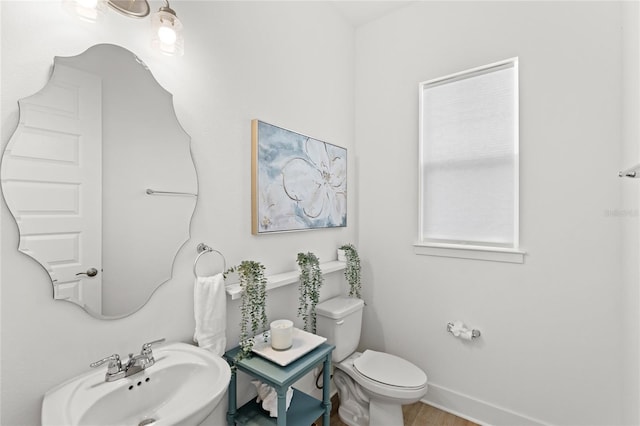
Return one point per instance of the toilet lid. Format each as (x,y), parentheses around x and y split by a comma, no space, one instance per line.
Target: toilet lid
(389,369)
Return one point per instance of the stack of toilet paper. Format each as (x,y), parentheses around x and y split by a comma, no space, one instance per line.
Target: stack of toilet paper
(269,397)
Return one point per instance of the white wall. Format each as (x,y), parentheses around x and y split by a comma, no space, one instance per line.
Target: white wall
(288,64)
(629,205)
(552,348)
(552,345)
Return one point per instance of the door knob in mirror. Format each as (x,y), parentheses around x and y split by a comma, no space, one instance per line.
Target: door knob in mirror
(91,272)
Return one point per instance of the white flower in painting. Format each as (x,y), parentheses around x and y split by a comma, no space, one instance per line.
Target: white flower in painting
(318,183)
(275,213)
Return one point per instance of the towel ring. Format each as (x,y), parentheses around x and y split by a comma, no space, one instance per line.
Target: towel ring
(203,249)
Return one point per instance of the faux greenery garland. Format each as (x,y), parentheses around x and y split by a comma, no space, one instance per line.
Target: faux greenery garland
(311,280)
(254,299)
(352,271)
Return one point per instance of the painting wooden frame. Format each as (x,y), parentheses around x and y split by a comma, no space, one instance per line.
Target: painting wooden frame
(298,183)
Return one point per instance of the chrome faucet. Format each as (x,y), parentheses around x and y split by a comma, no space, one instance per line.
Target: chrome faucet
(135,364)
(114,369)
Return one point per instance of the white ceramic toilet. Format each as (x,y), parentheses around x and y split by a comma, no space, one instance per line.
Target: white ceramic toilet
(372,386)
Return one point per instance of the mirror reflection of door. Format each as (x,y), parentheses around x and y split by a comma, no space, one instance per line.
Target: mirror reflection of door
(75,176)
(54,183)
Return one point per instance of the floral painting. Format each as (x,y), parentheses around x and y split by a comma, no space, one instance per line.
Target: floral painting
(299,183)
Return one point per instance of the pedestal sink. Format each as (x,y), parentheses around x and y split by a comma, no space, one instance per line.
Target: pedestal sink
(183,387)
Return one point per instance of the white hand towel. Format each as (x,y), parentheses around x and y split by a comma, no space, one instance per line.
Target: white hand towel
(269,397)
(210,311)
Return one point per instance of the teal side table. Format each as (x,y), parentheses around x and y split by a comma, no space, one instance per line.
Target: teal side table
(303,410)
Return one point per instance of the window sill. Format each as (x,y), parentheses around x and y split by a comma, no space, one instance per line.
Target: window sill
(463,251)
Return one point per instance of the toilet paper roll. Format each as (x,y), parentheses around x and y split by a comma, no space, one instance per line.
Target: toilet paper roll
(458,328)
(466,335)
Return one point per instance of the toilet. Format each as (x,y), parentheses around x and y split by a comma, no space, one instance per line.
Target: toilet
(372,386)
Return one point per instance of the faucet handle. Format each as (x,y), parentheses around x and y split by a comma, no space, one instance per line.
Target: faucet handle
(146,348)
(114,364)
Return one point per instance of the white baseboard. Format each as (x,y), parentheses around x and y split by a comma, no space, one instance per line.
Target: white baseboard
(475,410)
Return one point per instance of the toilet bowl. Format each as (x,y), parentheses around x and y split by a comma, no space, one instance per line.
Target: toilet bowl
(387,376)
(384,383)
(372,386)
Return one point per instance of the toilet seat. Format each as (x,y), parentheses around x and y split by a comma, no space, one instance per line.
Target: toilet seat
(390,370)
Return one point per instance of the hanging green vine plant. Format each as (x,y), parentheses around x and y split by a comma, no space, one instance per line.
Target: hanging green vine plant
(311,280)
(253,303)
(352,271)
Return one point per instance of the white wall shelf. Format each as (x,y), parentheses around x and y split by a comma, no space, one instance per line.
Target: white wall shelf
(286,278)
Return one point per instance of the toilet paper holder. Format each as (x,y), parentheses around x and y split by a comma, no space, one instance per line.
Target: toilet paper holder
(462,331)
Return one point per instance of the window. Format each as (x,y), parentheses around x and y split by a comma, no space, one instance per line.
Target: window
(469,164)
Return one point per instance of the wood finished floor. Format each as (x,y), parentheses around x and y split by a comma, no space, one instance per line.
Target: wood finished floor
(417,414)
(420,414)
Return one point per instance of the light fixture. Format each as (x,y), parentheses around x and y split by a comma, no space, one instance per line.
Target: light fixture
(87,10)
(167,34)
(132,8)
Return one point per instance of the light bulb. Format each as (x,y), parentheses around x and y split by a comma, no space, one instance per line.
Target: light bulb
(167,35)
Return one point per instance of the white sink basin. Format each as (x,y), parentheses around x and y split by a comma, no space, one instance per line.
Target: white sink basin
(183,387)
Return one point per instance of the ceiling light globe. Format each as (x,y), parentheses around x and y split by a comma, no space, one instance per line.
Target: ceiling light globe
(167,35)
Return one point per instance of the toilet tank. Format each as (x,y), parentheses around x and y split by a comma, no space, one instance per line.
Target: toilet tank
(340,320)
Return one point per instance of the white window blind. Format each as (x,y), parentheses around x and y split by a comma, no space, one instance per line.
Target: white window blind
(469,157)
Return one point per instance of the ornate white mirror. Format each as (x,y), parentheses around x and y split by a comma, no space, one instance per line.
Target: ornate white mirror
(100,180)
